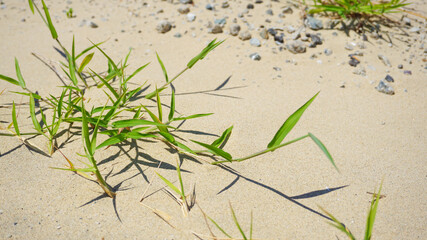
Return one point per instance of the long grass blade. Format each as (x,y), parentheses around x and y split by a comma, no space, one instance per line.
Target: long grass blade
(192,116)
(19,75)
(135,122)
(323,148)
(289,124)
(219,228)
(9,79)
(372,213)
(33,115)
(49,22)
(159,106)
(172,108)
(237,223)
(163,68)
(85,62)
(223,139)
(171,186)
(14,121)
(30,2)
(215,150)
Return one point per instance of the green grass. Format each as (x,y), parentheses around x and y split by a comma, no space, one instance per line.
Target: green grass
(356,8)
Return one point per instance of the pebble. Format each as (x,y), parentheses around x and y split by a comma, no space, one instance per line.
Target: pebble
(384,60)
(263,33)
(348,47)
(269,12)
(246,35)
(360,71)
(184,10)
(215,29)
(234,29)
(255,56)
(163,26)
(272,31)
(225,4)
(221,22)
(279,38)
(255,42)
(415,30)
(287,10)
(209,7)
(406,21)
(327,51)
(93,25)
(407,72)
(191,17)
(250,6)
(313,23)
(296,46)
(186,1)
(385,88)
(353,61)
(400,66)
(177,35)
(315,39)
(291,29)
(389,78)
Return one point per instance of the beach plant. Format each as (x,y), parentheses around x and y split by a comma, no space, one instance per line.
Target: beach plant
(356,9)
(369,221)
(124,116)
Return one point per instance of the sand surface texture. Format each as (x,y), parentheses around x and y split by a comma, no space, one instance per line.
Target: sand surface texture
(371,135)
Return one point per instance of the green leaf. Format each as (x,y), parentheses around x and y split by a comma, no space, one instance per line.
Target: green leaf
(33,115)
(49,22)
(172,108)
(14,121)
(215,150)
(213,44)
(36,96)
(178,170)
(289,124)
(152,94)
(168,137)
(72,70)
(136,72)
(224,137)
(88,49)
(157,120)
(85,132)
(135,122)
(19,75)
(323,148)
(110,61)
(114,92)
(337,224)
(85,62)
(171,185)
(192,116)
(372,213)
(163,68)
(30,2)
(10,80)
(220,228)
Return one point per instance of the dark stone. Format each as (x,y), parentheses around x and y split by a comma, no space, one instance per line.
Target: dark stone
(389,78)
(272,31)
(353,61)
(279,38)
(250,6)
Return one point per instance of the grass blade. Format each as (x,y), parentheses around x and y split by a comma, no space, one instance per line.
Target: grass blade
(163,68)
(215,150)
(114,92)
(289,124)
(337,224)
(156,119)
(372,213)
(33,115)
(223,139)
(85,132)
(192,116)
(159,106)
(10,80)
(172,108)
(136,72)
(178,170)
(135,122)
(237,223)
(19,75)
(85,62)
(220,228)
(323,148)
(14,121)
(213,44)
(49,22)
(30,2)
(171,186)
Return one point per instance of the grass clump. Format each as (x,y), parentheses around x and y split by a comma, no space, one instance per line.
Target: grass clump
(357,8)
(113,120)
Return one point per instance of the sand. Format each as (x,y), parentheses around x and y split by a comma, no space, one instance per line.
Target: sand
(371,135)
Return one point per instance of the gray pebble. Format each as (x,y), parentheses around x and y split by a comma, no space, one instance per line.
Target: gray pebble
(287,10)
(93,25)
(184,10)
(389,78)
(221,22)
(279,38)
(313,23)
(269,12)
(225,4)
(360,71)
(177,35)
(209,7)
(263,33)
(255,42)
(191,17)
(163,26)
(384,88)
(186,1)
(348,47)
(215,29)
(291,29)
(384,60)
(234,29)
(406,21)
(400,66)
(255,56)
(327,51)
(250,6)
(246,35)
(296,46)
(315,39)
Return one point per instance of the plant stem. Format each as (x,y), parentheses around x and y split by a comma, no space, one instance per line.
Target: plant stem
(263,151)
(101,180)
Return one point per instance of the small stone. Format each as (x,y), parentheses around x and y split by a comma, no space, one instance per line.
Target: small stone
(263,33)
(186,1)
(361,45)
(272,32)
(209,7)
(163,26)
(215,29)
(269,12)
(234,29)
(291,29)
(384,60)
(177,35)
(353,61)
(327,51)
(313,23)
(277,69)
(255,56)
(407,72)
(296,46)
(287,10)
(221,22)
(400,66)
(315,39)
(246,35)
(250,6)
(375,35)
(184,10)
(384,88)
(258,1)
(415,30)
(255,42)
(279,38)
(191,17)
(360,71)
(406,21)
(389,78)
(348,47)
(225,4)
